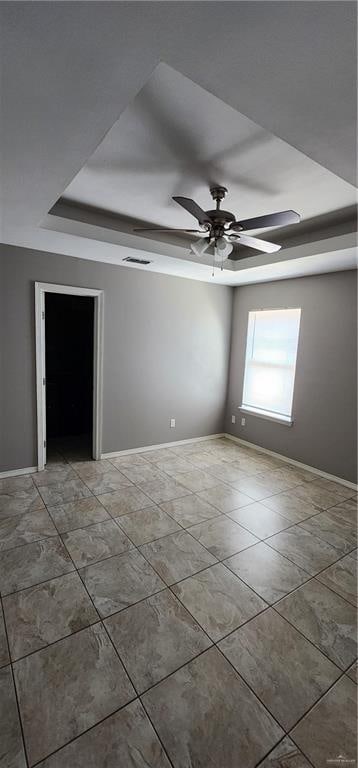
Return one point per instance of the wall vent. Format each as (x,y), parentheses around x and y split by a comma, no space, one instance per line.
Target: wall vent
(132,260)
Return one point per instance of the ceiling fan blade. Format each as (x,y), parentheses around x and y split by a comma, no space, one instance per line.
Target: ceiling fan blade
(169,229)
(192,207)
(280,219)
(254,242)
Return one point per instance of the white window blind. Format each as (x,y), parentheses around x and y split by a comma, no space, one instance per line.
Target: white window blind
(271,352)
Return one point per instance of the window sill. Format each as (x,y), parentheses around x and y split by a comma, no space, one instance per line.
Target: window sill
(286,420)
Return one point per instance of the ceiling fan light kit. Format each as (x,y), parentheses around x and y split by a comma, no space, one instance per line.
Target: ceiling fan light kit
(220,228)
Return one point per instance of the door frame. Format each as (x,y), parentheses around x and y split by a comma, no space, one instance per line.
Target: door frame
(40,290)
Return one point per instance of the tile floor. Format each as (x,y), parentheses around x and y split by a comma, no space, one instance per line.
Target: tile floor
(192,607)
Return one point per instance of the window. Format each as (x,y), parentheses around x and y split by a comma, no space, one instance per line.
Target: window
(271,350)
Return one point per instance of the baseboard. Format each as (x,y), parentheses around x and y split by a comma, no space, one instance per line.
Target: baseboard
(295,463)
(156,447)
(16,472)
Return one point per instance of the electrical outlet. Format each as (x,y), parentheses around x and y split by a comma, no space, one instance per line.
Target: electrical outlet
(233,419)
(172,423)
(243,421)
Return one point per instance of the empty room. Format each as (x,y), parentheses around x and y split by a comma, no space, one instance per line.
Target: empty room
(178,384)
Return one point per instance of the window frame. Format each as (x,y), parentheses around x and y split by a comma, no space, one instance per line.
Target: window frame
(261,413)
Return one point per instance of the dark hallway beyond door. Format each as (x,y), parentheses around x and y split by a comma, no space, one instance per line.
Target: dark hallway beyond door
(69,335)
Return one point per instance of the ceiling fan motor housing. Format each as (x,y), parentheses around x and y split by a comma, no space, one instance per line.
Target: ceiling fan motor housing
(219,218)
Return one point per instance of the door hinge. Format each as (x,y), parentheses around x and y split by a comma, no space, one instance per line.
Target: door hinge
(44,382)
(43,314)
(44,443)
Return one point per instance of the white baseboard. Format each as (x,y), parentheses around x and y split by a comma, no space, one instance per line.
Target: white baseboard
(156,447)
(295,463)
(16,472)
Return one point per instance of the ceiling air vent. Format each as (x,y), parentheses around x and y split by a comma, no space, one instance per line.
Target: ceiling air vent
(132,260)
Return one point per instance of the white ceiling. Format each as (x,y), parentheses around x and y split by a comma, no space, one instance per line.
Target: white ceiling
(175,138)
(89,68)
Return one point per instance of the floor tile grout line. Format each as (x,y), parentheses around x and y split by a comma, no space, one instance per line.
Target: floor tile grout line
(226,558)
(262,759)
(343,674)
(265,541)
(157,733)
(310,576)
(316,647)
(87,730)
(15,689)
(287,732)
(101,622)
(187,529)
(219,513)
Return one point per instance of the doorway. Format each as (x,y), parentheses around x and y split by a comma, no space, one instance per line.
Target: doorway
(69,372)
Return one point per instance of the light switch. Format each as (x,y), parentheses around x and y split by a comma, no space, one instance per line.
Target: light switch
(172,423)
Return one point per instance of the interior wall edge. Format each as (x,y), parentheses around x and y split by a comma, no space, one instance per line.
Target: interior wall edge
(294,462)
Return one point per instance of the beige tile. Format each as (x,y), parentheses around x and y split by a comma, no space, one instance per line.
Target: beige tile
(40,615)
(225,499)
(87,468)
(96,542)
(196,480)
(158,454)
(173,465)
(125,739)
(142,474)
(290,506)
(147,524)
(352,672)
(4,651)
(106,482)
(325,619)
(33,563)
(120,581)
(177,556)
(222,537)
(189,510)
(77,514)
(285,671)
(206,716)
(11,751)
(163,490)
(227,472)
(124,501)
(329,731)
(342,578)
(129,460)
(270,574)
(260,520)
(346,509)
(23,529)
(19,501)
(285,755)
(321,498)
(15,485)
(203,459)
(61,492)
(339,488)
(260,486)
(155,637)
(337,531)
(58,697)
(58,474)
(307,551)
(218,600)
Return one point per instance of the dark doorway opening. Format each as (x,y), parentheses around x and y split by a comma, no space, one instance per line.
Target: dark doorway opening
(69,345)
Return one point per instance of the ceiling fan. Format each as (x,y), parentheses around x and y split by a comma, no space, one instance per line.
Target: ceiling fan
(220,229)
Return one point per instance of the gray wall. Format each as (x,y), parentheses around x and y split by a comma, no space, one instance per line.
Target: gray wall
(325,398)
(166,352)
